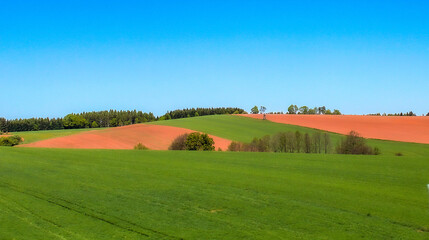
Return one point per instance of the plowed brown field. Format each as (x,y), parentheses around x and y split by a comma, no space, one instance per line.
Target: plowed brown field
(152,136)
(404,129)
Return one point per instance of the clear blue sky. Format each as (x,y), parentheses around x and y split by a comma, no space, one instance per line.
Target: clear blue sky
(358,56)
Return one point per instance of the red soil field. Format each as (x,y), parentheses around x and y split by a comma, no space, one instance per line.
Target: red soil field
(404,129)
(152,136)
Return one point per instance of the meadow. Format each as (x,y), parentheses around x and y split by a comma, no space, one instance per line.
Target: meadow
(126,194)
(129,194)
(34,136)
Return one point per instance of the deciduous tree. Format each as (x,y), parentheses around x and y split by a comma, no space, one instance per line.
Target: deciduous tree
(199,141)
(292,109)
(336,112)
(303,110)
(74,121)
(254,110)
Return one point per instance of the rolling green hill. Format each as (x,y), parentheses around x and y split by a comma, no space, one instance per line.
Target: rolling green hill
(244,129)
(232,127)
(34,136)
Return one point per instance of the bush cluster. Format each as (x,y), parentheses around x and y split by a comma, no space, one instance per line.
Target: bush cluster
(195,142)
(140,146)
(179,143)
(296,142)
(353,143)
(10,141)
(291,142)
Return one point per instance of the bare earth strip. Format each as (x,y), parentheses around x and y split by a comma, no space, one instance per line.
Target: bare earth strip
(154,137)
(404,129)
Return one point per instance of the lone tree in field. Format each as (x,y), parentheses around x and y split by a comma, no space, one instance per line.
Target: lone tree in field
(200,142)
(254,110)
(262,110)
(194,141)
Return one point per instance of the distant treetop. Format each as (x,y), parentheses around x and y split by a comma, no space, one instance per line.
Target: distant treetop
(293,109)
(410,114)
(111,118)
(195,112)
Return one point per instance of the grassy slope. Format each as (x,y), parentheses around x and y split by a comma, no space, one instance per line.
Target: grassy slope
(244,129)
(34,136)
(108,194)
(233,127)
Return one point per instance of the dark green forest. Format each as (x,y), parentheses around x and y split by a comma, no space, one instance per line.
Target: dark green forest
(111,118)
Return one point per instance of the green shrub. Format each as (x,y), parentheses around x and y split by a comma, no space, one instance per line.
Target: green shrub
(256,145)
(140,146)
(200,142)
(10,141)
(259,144)
(179,143)
(235,146)
(376,151)
(355,144)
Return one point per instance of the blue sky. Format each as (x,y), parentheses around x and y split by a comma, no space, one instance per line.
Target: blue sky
(73,56)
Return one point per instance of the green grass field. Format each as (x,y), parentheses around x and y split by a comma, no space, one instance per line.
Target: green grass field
(128,194)
(119,194)
(232,127)
(34,136)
